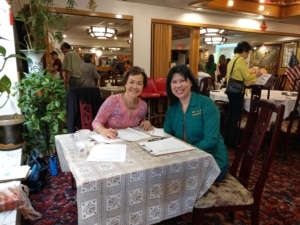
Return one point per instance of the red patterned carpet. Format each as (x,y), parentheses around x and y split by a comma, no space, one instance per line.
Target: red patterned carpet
(280,203)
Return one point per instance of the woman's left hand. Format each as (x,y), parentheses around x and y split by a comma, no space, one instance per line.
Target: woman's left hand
(146,125)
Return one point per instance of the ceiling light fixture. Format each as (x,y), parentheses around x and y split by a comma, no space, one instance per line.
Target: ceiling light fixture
(230,3)
(215,40)
(261,8)
(211,31)
(114,49)
(102,32)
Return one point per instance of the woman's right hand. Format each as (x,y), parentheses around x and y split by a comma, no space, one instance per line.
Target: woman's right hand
(108,133)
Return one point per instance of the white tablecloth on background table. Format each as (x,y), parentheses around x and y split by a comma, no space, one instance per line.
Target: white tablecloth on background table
(287,100)
(144,189)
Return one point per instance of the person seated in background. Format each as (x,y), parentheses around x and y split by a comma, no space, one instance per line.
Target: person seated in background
(201,73)
(193,117)
(125,109)
(127,65)
(89,74)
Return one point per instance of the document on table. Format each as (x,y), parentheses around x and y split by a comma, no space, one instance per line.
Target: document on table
(14,173)
(158,132)
(130,134)
(100,139)
(108,153)
(263,79)
(165,146)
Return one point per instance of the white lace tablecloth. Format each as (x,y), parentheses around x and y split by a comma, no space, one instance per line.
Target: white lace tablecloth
(142,190)
(287,100)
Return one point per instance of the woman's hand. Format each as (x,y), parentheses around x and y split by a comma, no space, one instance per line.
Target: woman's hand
(108,133)
(146,125)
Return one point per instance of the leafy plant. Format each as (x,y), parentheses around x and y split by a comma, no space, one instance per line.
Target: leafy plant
(42,102)
(5,82)
(40,24)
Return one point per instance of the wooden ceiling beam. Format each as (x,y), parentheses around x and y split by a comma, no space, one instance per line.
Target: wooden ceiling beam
(275,11)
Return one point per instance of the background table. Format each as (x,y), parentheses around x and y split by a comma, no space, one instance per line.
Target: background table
(144,189)
(287,100)
(107,91)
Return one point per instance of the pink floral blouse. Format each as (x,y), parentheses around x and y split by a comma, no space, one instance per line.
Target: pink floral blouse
(114,114)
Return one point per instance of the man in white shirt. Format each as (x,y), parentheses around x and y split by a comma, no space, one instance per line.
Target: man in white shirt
(201,73)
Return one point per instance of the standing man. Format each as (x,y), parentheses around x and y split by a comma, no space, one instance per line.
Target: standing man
(71,66)
(56,69)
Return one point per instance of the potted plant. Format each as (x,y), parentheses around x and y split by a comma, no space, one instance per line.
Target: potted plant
(42,100)
(40,27)
(10,125)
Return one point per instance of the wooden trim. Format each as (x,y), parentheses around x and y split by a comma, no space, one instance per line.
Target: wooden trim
(194,50)
(88,13)
(174,22)
(160,49)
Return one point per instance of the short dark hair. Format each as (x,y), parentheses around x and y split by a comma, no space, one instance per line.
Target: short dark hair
(87,58)
(135,70)
(187,74)
(242,46)
(65,45)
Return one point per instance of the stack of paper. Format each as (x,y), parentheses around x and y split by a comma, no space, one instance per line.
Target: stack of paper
(165,146)
(127,134)
(14,173)
(108,153)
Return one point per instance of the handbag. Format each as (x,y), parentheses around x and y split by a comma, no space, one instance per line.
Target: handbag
(234,86)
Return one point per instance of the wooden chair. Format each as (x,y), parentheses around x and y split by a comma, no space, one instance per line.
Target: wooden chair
(255,95)
(291,126)
(82,106)
(234,193)
(206,84)
(295,87)
(280,82)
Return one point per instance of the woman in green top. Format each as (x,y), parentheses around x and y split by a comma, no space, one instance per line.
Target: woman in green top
(193,117)
(211,66)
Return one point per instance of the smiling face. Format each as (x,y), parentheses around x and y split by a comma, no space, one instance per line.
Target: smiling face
(180,87)
(134,85)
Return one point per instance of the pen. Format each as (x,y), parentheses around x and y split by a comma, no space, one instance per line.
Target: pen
(156,139)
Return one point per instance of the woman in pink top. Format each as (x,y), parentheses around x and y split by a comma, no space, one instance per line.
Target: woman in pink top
(125,109)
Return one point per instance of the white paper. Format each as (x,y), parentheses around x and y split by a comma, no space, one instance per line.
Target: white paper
(14,173)
(108,153)
(165,146)
(130,134)
(263,79)
(100,139)
(158,132)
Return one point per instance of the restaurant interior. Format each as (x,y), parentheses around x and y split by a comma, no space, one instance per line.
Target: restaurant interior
(156,35)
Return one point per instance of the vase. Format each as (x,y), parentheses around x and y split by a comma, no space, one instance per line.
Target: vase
(34,59)
(11,128)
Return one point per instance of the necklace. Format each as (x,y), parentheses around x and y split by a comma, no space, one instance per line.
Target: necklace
(130,106)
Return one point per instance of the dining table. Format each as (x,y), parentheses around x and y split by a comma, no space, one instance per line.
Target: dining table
(111,90)
(142,189)
(286,98)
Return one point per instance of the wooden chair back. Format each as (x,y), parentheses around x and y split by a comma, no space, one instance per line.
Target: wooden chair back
(280,82)
(291,126)
(83,104)
(206,84)
(239,195)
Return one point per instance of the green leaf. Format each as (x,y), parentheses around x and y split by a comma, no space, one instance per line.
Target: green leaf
(5,84)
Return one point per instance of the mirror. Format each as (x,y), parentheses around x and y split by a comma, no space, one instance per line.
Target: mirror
(266,53)
(119,46)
